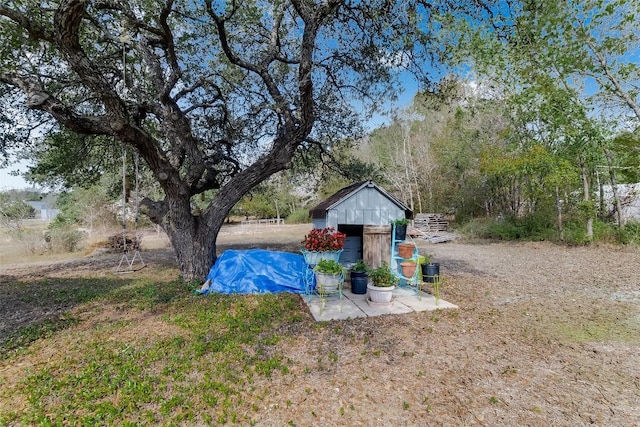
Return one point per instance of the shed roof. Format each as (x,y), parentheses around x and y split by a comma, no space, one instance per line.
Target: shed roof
(320,210)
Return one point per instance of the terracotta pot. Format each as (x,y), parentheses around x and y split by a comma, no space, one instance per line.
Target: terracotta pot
(405,250)
(408,269)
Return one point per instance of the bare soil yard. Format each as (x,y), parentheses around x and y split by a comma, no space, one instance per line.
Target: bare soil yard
(545,335)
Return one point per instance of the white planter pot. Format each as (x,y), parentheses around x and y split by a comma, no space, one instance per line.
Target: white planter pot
(380,294)
(326,283)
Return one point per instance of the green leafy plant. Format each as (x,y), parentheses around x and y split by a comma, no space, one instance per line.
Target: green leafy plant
(382,276)
(427,258)
(328,267)
(359,267)
(400,221)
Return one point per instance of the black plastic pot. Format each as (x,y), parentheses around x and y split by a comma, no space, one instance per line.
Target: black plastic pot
(359,282)
(429,271)
(401,231)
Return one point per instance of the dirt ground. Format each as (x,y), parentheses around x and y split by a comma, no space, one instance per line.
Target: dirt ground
(545,335)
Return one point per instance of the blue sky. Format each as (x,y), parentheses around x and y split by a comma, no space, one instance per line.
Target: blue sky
(9,182)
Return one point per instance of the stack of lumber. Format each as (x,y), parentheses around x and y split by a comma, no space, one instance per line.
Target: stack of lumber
(117,243)
(431,222)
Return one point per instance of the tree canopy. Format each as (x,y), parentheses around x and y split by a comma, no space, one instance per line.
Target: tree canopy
(214,95)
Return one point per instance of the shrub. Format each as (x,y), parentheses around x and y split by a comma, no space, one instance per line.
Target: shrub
(66,239)
(300,216)
(630,233)
(534,227)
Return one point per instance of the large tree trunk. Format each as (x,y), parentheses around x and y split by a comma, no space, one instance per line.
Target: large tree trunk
(194,237)
(195,252)
(194,242)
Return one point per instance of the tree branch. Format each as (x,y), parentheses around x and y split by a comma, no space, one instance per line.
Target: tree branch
(34,29)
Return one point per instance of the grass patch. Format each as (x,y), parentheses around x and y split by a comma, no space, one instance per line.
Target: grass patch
(53,297)
(151,353)
(614,325)
(24,336)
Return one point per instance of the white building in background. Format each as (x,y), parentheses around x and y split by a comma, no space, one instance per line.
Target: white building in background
(629,195)
(43,209)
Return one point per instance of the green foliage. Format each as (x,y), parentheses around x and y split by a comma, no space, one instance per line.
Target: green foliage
(360,266)
(328,267)
(16,210)
(258,204)
(539,227)
(65,239)
(626,147)
(400,221)
(229,339)
(382,276)
(587,209)
(630,233)
(554,64)
(276,196)
(575,233)
(33,332)
(87,207)
(13,212)
(71,160)
(533,227)
(300,216)
(430,152)
(520,180)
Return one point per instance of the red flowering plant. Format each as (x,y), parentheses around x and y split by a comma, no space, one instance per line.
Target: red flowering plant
(324,239)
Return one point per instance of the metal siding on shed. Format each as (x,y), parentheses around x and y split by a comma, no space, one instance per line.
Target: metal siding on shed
(319,223)
(367,206)
(332,218)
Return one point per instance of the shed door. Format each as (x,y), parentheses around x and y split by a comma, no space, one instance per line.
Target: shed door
(352,244)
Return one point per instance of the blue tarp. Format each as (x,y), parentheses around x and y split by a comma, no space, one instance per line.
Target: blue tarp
(257,271)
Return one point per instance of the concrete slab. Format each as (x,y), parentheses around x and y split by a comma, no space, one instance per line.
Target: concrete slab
(424,302)
(405,300)
(378,310)
(333,309)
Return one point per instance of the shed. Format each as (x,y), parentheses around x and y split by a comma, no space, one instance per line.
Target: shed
(363,211)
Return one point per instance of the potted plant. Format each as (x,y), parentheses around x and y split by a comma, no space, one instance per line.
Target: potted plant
(409,268)
(329,276)
(406,249)
(383,283)
(359,278)
(323,243)
(400,226)
(430,269)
